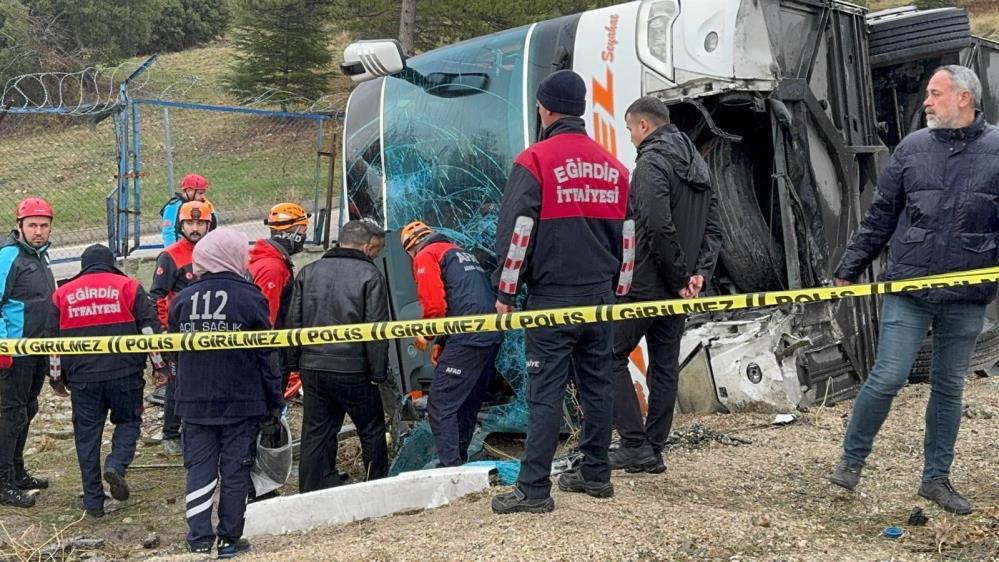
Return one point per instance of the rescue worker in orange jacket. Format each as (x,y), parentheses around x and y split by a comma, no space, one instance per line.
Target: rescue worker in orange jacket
(450,282)
(271,267)
(173,273)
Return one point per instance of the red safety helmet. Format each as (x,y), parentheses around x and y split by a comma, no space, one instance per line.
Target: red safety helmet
(34,207)
(195,182)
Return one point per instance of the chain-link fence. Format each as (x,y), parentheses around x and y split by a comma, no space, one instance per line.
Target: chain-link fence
(108,158)
(69,160)
(251,158)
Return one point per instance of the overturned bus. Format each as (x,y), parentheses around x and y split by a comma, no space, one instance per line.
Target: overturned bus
(794,104)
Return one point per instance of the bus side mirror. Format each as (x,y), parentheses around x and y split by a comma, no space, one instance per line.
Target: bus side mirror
(365,60)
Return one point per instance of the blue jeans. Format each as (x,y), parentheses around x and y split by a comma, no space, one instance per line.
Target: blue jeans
(905,321)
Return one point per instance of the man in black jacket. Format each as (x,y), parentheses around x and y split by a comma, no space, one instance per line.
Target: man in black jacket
(677,239)
(935,209)
(26,287)
(342,287)
(103,301)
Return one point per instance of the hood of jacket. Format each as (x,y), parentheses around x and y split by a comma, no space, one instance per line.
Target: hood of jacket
(264,249)
(14,239)
(679,153)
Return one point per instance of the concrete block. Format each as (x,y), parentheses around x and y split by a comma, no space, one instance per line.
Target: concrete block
(422,489)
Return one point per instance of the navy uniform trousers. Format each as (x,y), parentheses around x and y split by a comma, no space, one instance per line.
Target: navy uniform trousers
(92,401)
(461,380)
(20,386)
(218,457)
(586,351)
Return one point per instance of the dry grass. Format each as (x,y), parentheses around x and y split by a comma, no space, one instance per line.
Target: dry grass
(763,501)
(766,500)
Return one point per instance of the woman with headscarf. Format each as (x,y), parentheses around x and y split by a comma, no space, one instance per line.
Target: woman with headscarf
(223,396)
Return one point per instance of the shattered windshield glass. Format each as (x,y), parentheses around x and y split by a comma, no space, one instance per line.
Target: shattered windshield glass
(362,150)
(451,133)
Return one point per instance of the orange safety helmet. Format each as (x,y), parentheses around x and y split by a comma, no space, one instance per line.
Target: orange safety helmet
(195,182)
(414,233)
(284,216)
(195,211)
(34,207)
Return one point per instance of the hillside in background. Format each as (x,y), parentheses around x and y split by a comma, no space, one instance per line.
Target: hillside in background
(984,13)
(250,161)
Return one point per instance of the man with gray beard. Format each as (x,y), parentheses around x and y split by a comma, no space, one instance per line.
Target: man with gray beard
(935,209)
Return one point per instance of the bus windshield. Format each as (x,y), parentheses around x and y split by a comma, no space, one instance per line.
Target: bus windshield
(441,147)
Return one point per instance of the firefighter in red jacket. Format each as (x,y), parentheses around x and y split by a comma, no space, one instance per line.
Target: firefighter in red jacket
(173,273)
(450,282)
(563,230)
(103,301)
(271,267)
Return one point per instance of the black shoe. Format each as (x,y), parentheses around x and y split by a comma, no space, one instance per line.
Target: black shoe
(29,482)
(846,474)
(942,493)
(657,467)
(228,549)
(11,495)
(95,512)
(200,548)
(117,483)
(573,482)
(635,459)
(255,498)
(172,447)
(516,502)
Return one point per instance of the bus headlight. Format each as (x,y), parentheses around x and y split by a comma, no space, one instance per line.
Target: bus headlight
(655,34)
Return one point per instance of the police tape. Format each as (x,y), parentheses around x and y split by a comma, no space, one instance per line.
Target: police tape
(353,333)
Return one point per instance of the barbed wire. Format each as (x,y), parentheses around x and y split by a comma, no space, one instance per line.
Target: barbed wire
(94,90)
(88,91)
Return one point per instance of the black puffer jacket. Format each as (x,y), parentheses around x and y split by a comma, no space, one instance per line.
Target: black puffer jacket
(677,227)
(342,287)
(937,209)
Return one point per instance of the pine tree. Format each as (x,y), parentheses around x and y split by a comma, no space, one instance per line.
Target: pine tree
(426,24)
(282,50)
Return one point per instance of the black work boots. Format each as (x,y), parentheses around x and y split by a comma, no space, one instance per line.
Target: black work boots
(13,496)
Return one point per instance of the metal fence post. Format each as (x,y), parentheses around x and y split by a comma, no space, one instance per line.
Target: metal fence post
(121,124)
(318,172)
(137,177)
(168,152)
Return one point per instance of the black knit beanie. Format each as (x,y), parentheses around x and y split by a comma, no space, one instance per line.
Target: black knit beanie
(563,92)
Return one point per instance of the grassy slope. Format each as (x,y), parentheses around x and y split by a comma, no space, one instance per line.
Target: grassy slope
(251,162)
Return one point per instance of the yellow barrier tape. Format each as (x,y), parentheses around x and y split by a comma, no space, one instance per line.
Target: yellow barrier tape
(208,341)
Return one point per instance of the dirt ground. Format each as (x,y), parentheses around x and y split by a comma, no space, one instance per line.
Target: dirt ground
(765,500)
